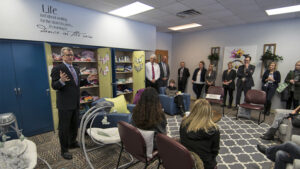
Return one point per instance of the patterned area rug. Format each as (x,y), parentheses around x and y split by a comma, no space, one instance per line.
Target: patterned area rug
(238,142)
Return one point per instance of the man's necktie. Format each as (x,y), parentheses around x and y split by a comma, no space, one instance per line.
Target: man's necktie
(153,73)
(73,74)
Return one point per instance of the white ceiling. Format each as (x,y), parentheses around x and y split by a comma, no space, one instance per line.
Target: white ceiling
(214,13)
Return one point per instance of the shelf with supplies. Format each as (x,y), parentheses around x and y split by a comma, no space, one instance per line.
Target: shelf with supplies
(124,72)
(88,87)
(123,62)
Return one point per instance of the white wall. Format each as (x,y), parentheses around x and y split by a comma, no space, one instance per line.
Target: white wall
(52,21)
(195,46)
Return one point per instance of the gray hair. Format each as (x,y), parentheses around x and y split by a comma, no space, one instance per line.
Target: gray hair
(63,49)
(153,56)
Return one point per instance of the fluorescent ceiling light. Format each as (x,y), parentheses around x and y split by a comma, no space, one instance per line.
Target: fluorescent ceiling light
(289,9)
(187,26)
(131,9)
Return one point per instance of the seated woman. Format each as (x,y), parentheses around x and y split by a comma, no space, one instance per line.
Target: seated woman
(148,114)
(199,134)
(172,91)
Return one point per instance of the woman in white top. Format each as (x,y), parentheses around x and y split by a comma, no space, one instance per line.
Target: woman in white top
(198,79)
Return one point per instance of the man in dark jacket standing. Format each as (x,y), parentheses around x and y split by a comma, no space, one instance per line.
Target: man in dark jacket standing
(183,75)
(164,72)
(245,80)
(66,81)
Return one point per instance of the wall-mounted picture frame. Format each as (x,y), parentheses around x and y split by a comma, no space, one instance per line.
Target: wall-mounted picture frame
(215,50)
(271,47)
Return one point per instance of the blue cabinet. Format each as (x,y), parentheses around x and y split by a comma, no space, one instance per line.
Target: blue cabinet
(24,85)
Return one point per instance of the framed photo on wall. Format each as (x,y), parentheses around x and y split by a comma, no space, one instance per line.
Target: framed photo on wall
(271,47)
(215,50)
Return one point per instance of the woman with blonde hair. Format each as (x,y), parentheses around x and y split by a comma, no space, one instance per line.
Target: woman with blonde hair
(199,134)
(270,81)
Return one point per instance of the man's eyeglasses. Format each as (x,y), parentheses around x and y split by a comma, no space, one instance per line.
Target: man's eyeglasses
(69,55)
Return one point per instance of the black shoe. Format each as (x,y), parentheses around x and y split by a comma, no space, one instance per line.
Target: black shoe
(267,113)
(261,148)
(229,106)
(67,155)
(74,145)
(269,135)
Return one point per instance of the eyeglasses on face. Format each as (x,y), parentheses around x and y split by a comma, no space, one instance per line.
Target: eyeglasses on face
(69,55)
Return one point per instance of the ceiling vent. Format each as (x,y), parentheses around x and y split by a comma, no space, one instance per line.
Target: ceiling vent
(188,13)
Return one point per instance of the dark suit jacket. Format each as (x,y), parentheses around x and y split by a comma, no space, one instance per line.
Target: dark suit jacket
(162,74)
(68,95)
(228,77)
(247,74)
(202,74)
(276,75)
(185,75)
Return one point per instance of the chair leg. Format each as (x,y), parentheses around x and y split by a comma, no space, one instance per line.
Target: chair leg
(146,165)
(120,156)
(223,112)
(158,163)
(259,122)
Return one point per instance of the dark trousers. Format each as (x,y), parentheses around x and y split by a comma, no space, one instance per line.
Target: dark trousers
(68,127)
(291,101)
(154,85)
(239,92)
(283,154)
(181,85)
(163,83)
(230,92)
(198,89)
(178,100)
(270,91)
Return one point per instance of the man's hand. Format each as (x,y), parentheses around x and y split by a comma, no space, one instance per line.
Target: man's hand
(153,80)
(164,78)
(92,77)
(63,76)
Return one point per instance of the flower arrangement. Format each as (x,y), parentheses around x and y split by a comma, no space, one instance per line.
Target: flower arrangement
(213,56)
(268,55)
(237,53)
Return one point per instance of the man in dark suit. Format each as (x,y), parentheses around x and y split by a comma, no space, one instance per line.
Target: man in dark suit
(183,75)
(245,80)
(66,81)
(164,72)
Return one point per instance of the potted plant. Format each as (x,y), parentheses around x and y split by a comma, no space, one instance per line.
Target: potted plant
(214,57)
(269,57)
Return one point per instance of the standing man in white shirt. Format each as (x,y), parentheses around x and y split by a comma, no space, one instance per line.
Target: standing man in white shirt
(152,73)
(164,72)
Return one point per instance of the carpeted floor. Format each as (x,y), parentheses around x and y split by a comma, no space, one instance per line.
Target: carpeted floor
(238,141)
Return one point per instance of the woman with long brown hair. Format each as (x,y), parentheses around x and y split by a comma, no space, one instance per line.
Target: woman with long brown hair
(199,134)
(148,114)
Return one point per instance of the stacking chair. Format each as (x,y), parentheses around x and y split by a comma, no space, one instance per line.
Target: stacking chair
(218,90)
(172,154)
(133,143)
(255,100)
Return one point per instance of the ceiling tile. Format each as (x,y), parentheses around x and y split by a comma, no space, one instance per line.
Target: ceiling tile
(197,3)
(174,8)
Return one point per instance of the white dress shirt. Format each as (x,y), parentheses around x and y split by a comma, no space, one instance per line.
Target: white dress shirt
(149,71)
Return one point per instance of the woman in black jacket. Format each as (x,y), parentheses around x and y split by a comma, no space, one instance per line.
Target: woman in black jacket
(270,81)
(198,79)
(228,83)
(199,134)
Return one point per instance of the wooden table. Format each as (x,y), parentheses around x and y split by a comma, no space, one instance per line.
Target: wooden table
(216,116)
